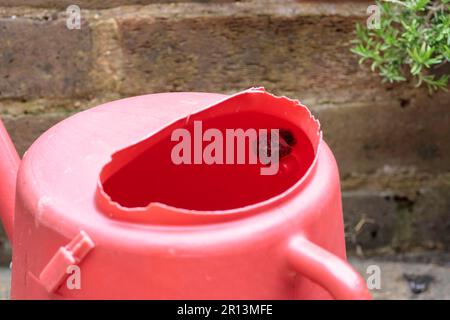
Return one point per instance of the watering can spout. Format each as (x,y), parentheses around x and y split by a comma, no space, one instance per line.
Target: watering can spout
(9,164)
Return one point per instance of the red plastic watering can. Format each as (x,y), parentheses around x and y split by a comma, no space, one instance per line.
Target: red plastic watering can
(102,210)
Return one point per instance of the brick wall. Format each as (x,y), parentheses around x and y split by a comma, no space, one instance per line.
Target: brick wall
(392,142)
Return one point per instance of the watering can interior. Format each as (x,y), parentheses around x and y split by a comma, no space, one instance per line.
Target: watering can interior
(149,174)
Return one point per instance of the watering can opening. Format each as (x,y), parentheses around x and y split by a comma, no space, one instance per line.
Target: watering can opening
(240,152)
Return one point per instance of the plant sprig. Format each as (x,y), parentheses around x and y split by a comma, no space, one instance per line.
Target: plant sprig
(413,40)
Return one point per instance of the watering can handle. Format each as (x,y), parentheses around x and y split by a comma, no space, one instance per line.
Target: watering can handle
(329,271)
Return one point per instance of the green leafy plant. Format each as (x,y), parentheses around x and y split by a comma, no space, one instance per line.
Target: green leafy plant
(411,40)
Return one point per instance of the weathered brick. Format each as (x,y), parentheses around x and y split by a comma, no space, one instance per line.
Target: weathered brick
(395,221)
(282,48)
(42,58)
(366,137)
(92,4)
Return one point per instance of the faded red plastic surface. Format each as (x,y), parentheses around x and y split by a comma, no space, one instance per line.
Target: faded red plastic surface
(98,190)
(9,163)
